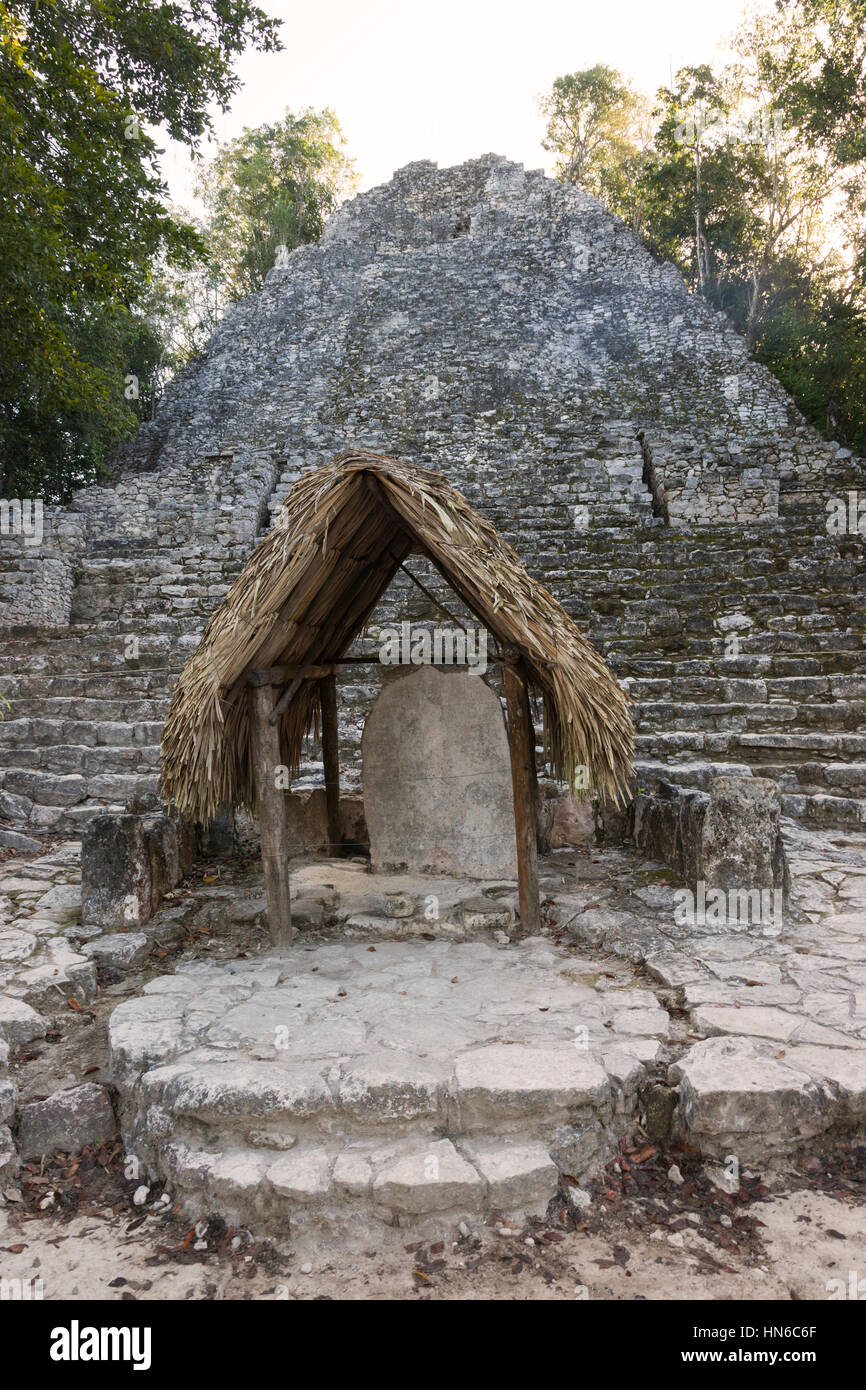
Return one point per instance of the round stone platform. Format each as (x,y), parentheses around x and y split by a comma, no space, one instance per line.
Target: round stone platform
(339,1084)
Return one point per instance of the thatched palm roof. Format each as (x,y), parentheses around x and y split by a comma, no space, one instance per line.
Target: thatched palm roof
(309,587)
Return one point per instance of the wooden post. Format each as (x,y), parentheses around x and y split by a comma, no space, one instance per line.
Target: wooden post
(270,813)
(331,759)
(523,782)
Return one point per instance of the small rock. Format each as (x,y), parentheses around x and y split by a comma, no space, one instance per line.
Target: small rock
(720,1179)
(19,1023)
(306,1269)
(398,905)
(123,951)
(675,1176)
(140,1196)
(67,1120)
(486,914)
(271,1139)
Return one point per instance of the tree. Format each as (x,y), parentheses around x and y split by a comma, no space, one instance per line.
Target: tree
(597,127)
(82,207)
(755,186)
(269,191)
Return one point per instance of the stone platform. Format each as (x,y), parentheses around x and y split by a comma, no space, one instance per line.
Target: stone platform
(338,1083)
(419,1069)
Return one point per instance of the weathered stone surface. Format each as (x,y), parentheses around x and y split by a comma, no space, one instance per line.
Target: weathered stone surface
(737,1095)
(302,1176)
(573,823)
(13,839)
(741,833)
(520,1177)
(437,781)
(8,1100)
(307,819)
(385,1086)
(503,1079)
(16,945)
(487,914)
(435,1178)
(123,951)
(164,850)
(68,1121)
(19,1023)
(61,904)
(115,872)
(209,1091)
(9,1160)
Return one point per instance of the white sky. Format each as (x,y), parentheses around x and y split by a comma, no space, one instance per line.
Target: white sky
(449,80)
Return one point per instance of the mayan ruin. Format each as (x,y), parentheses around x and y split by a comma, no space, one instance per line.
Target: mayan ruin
(433,785)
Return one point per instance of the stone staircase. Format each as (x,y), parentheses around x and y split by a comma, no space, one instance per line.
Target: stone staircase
(744,650)
(336,1087)
(87,700)
(741,645)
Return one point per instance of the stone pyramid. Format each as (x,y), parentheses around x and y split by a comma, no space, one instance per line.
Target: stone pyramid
(499,326)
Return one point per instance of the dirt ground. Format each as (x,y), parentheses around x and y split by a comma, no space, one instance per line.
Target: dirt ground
(799,1236)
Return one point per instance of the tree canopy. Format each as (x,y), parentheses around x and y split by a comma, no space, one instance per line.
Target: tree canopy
(752,180)
(83,212)
(269,191)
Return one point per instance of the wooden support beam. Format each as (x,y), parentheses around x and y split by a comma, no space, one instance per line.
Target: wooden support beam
(523,782)
(276,675)
(271,813)
(331,759)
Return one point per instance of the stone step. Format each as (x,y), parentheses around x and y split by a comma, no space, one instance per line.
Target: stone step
(73,709)
(675,715)
(134,684)
(788,749)
(742,689)
(823,810)
(67,791)
(328,1081)
(752,666)
(810,805)
(419,1183)
(84,758)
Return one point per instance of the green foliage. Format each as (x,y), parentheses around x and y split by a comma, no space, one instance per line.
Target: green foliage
(597,127)
(754,184)
(83,217)
(268,192)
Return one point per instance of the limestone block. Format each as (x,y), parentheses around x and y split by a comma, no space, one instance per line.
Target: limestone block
(19,1023)
(573,823)
(68,1121)
(122,950)
(435,1178)
(437,781)
(116,882)
(740,834)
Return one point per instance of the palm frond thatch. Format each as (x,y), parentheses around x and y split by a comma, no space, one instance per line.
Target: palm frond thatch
(311,584)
